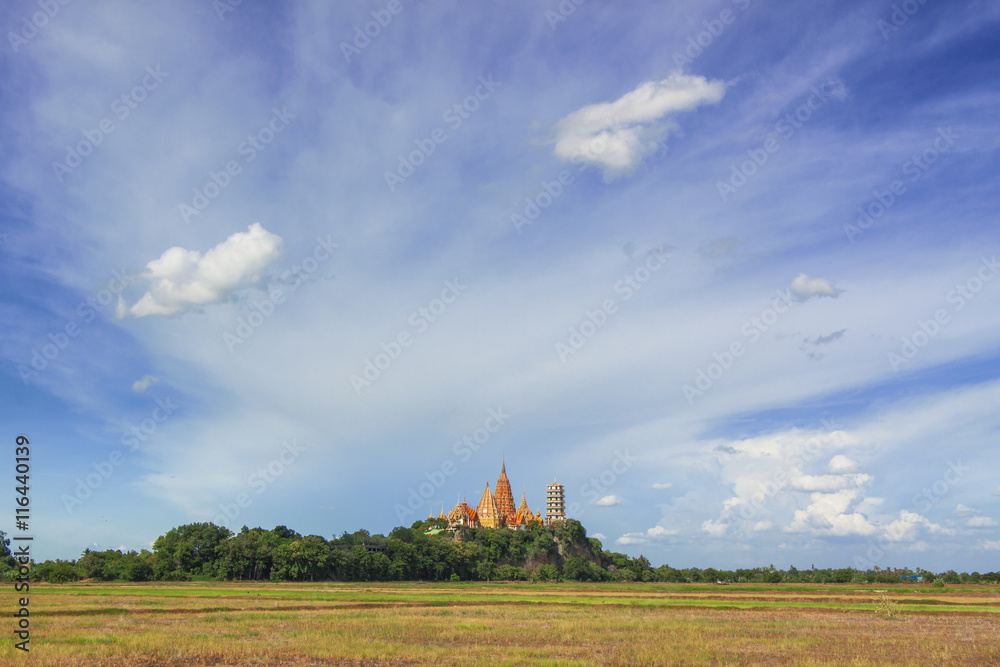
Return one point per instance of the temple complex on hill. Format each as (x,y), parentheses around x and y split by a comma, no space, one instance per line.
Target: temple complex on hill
(496,509)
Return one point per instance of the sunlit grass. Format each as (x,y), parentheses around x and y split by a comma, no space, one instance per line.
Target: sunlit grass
(197,623)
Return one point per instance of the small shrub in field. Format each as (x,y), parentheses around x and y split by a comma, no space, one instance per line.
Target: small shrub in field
(886,607)
(938,583)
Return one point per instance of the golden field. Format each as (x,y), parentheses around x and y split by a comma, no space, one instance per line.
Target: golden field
(506,624)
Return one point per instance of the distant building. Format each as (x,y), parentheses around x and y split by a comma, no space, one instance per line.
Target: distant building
(555,503)
(496,509)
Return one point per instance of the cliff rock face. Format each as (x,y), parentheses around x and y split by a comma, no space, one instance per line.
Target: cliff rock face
(535,548)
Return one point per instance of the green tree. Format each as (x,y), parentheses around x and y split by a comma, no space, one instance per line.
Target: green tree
(55,572)
(135,566)
(7,559)
(100,565)
(190,547)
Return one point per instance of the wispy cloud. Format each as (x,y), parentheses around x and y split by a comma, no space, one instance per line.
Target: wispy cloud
(142,384)
(617,136)
(827,339)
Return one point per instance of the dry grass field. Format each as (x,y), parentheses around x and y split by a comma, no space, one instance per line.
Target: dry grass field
(506,624)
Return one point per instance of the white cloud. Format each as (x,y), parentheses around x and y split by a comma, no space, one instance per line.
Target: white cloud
(142,384)
(907,527)
(617,136)
(714,528)
(828,482)
(981,522)
(804,288)
(644,538)
(963,511)
(996,491)
(600,536)
(660,486)
(608,501)
(990,545)
(762,526)
(842,464)
(827,515)
(184,278)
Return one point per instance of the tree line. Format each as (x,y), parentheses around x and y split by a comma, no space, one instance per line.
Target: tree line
(204,551)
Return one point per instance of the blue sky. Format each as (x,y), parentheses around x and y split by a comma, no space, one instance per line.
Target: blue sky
(724,269)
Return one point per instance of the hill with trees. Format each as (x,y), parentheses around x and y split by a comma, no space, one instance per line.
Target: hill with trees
(426,551)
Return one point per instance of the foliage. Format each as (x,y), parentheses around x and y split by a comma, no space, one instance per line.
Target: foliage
(55,572)
(560,553)
(190,548)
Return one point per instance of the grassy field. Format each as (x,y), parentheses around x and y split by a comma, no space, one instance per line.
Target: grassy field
(506,624)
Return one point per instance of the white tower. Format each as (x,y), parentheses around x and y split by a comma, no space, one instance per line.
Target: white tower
(555,503)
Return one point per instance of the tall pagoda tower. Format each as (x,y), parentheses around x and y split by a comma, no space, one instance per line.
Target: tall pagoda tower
(487,511)
(555,503)
(504,497)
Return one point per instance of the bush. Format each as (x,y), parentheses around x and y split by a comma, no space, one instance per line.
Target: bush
(512,573)
(176,575)
(886,607)
(546,573)
(56,572)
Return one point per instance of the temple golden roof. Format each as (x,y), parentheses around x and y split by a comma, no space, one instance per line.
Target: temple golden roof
(489,513)
(504,498)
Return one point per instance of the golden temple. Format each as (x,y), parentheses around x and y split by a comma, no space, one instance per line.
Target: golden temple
(496,509)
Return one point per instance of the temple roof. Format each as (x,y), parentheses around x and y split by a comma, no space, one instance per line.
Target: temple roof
(504,496)
(523,509)
(462,513)
(488,504)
